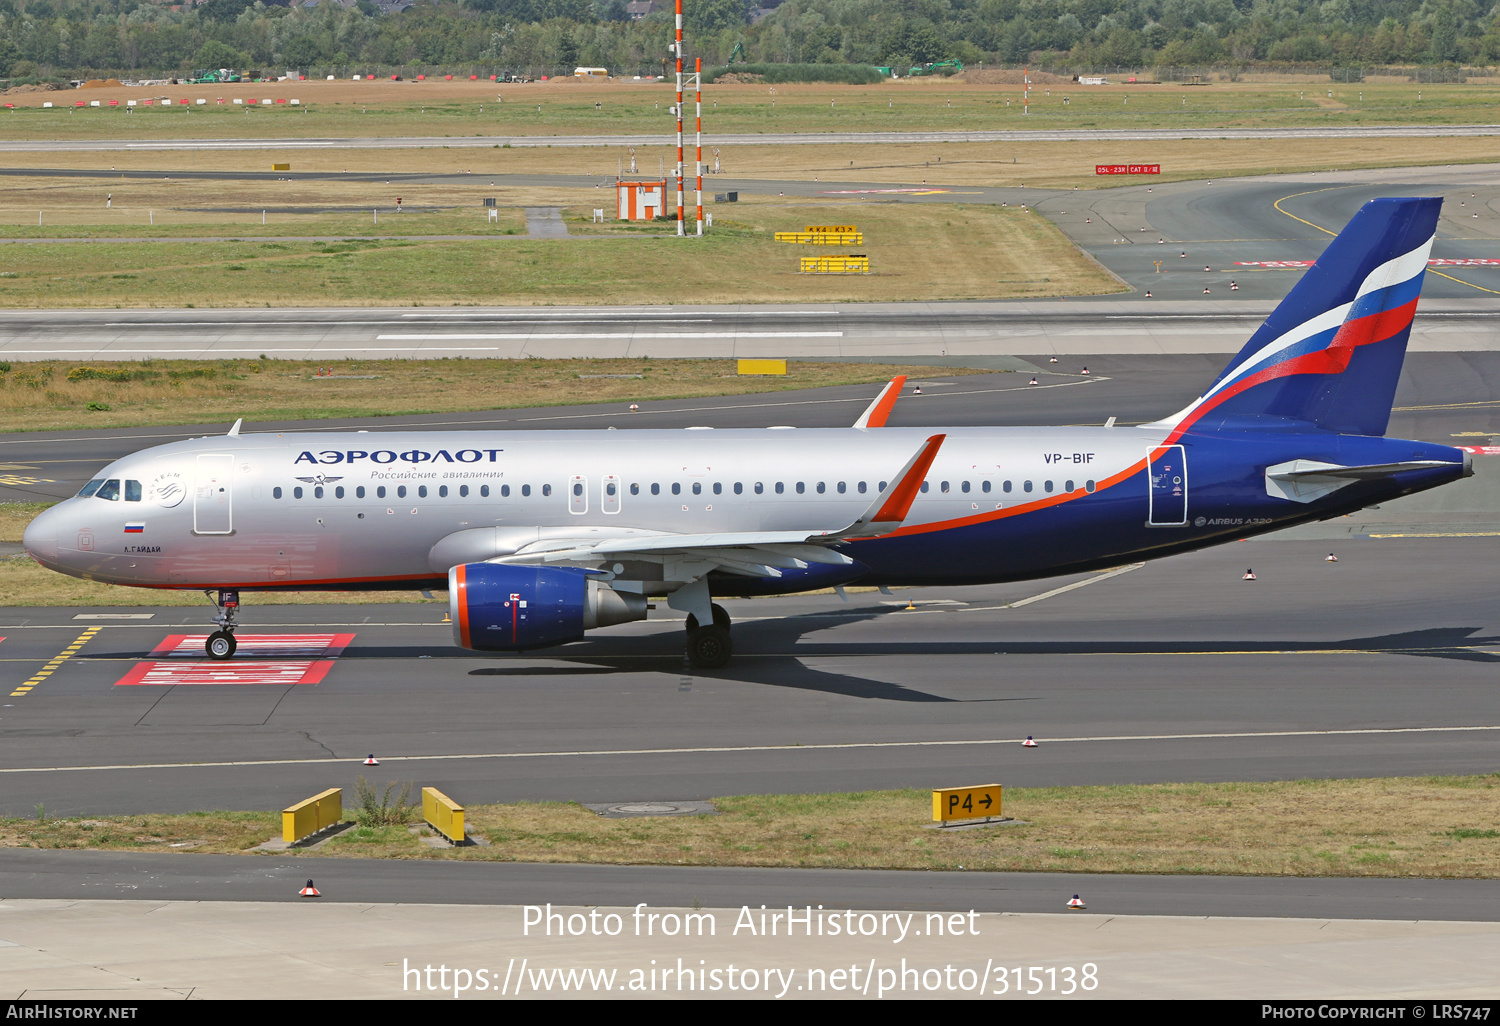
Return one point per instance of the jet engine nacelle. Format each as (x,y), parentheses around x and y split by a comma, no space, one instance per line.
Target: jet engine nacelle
(497,607)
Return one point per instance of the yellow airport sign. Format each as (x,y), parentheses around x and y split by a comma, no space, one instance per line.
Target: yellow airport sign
(852,264)
(443,814)
(281,167)
(837,229)
(820,238)
(312,814)
(979,801)
(762,367)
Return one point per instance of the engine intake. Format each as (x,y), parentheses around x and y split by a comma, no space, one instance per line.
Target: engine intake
(496,607)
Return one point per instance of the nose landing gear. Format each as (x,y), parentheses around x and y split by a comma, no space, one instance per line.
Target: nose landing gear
(221,643)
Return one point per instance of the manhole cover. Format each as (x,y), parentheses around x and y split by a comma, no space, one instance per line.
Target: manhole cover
(623,809)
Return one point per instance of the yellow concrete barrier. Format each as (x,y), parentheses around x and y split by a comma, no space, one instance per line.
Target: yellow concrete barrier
(820,238)
(852,264)
(443,814)
(281,167)
(762,367)
(979,801)
(312,815)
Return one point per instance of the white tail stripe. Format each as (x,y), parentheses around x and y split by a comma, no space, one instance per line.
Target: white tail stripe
(1392,272)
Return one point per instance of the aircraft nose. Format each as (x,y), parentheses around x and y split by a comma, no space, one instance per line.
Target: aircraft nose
(40,539)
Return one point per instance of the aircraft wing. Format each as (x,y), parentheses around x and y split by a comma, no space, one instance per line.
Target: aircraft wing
(752,553)
(878,412)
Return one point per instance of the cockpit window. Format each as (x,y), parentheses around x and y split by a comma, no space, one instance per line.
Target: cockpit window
(132,491)
(109,490)
(91,487)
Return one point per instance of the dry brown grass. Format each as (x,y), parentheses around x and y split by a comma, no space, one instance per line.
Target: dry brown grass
(1060,165)
(917,252)
(1418,826)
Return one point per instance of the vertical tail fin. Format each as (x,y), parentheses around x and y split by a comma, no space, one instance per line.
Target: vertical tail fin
(1331,353)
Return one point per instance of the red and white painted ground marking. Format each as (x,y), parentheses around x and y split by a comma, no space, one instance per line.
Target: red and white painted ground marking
(1434,262)
(210,671)
(276,646)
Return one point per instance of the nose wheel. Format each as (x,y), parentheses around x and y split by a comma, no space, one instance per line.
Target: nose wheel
(221,643)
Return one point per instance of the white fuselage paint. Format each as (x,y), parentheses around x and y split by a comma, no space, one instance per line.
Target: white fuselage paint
(677,482)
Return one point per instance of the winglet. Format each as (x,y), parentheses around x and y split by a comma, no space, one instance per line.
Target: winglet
(890,509)
(880,410)
(234,431)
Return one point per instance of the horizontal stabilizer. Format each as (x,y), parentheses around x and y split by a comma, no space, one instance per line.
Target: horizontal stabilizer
(1307,480)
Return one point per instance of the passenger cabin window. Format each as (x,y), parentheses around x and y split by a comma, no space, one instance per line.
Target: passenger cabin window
(718,488)
(442,491)
(944,486)
(759,488)
(380,492)
(109,490)
(1088,486)
(546,489)
(861,487)
(822,488)
(297,492)
(484,491)
(1005,487)
(1067,486)
(635,489)
(338,493)
(1047,485)
(925,486)
(421,491)
(780,487)
(697,488)
(526,490)
(401,491)
(656,489)
(359,493)
(739,488)
(463,491)
(91,487)
(984,486)
(318,492)
(132,491)
(801,488)
(676,488)
(964,487)
(882,486)
(1026,487)
(276,492)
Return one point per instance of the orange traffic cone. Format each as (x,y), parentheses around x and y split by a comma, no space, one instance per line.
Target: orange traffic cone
(1030,742)
(309,891)
(1033,381)
(634,408)
(1084,371)
(1205,291)
(370,760)
(1076,902)
(917,390)
(1052,360)
(1148,293)
(1249,575)
(1331,558)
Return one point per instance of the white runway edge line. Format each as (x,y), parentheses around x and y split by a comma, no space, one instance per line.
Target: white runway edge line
(1377,731)
(539,336)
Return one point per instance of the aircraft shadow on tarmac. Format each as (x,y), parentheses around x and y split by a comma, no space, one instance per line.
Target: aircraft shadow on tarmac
(786,669)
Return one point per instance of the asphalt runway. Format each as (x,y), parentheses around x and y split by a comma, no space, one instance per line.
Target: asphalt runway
(84,875)
(1382,664)
(756,139)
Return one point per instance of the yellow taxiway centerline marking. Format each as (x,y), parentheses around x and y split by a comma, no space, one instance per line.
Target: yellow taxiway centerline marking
(56,662)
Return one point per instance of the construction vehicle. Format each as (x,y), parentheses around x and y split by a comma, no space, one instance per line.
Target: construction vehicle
(737,52)
(948,67)
(210,75)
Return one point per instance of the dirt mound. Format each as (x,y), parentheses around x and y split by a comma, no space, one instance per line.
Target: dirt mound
(100,83)
(1000,76)
(736,78)
(40,87)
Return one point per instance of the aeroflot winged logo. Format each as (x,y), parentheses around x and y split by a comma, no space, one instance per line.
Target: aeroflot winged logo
(321,479)
(391,456)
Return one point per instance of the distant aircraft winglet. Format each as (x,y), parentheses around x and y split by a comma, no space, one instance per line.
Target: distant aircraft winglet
(879,411)
(235,431)
(890,509)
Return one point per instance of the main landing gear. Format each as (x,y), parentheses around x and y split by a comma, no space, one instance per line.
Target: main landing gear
(221,644)
(709,647)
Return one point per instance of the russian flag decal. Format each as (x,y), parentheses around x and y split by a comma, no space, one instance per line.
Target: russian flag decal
(135,528)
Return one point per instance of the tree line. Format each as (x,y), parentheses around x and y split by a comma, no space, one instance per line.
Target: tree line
(85,38)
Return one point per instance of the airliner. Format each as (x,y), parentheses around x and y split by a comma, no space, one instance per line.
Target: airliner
(540,536)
